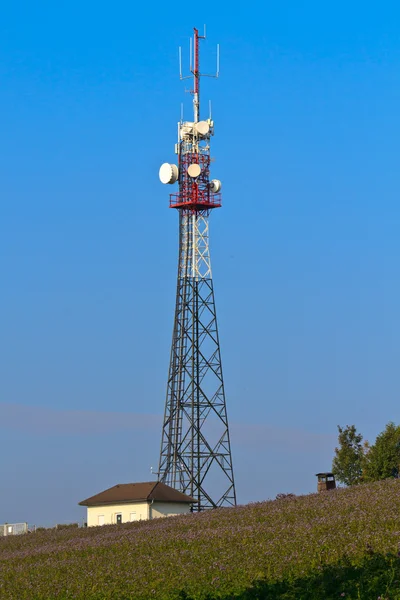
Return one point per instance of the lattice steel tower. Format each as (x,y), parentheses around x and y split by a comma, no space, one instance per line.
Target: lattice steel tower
(195,455)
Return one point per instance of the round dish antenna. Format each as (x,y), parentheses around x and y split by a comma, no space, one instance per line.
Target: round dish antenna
(194,170)
(168,173)
(215,186)
(202,128)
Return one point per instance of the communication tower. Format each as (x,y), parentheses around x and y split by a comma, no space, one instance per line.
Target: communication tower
(195,455)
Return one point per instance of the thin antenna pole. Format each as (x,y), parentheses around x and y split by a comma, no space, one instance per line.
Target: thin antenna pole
(196,76)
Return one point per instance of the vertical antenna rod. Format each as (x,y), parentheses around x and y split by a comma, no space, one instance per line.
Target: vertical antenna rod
(196,76)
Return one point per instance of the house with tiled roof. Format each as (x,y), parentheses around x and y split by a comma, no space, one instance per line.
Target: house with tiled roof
(127,502)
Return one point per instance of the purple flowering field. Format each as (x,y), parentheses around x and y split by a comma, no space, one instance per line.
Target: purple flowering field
(224,553)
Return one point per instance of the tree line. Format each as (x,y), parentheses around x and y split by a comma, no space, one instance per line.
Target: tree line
(357,461)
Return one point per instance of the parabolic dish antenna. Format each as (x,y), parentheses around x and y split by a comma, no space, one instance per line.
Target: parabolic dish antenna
(168,173)
(215,185)
(202,127)
(194,170)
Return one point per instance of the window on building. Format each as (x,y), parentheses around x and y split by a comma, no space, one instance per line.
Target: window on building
(118,518)
(133,516)
(100,519)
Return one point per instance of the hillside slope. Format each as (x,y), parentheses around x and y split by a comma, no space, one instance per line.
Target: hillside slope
(343,543)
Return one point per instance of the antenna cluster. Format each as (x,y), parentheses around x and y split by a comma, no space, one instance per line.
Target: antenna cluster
(194,67)
(197,191)
(202,37)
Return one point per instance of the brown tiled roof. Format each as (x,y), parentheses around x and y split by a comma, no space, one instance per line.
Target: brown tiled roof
(136,492)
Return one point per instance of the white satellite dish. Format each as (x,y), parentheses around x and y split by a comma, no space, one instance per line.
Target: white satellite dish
(215,185)
(202,128)
(168,173)
(194,170)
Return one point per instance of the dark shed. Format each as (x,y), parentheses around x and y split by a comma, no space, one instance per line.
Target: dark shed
(326,481)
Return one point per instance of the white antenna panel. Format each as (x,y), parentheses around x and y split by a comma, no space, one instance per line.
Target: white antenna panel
(186,129)
(168,173)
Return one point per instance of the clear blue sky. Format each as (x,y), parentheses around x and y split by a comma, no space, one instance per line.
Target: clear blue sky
(305,251)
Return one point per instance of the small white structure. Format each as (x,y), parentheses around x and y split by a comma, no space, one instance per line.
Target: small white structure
(127,502)
(13,528)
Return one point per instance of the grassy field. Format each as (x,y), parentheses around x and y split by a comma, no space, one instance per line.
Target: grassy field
(340,544)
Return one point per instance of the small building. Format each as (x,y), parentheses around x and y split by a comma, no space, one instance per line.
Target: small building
(127,502)
(13,529)
(326,481)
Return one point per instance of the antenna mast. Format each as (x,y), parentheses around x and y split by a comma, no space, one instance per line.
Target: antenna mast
(196,76)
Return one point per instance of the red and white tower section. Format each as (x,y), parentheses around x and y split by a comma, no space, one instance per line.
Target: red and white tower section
(195,455)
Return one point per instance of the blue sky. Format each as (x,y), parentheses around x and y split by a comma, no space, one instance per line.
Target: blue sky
(305,249)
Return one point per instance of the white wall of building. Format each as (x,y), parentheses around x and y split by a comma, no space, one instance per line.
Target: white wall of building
(136,511)
(168,509)
(107,515)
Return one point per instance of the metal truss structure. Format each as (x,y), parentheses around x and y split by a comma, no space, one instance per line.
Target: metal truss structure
(195,454)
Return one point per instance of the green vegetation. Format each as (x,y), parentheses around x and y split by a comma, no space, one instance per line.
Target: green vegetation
(355,462)
(339,544)
(383,458)
(349,457)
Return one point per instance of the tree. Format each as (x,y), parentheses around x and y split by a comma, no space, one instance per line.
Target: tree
(348,461)
(383,458)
